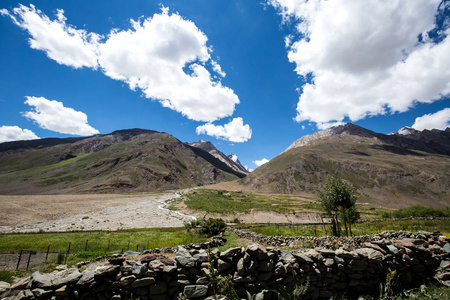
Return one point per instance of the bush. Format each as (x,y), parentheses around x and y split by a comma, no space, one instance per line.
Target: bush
(419,211)
(212,227)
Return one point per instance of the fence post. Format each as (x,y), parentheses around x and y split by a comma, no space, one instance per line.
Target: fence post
(128,248)
(29,258)
(48,250)
(109,241)
(67,254)
(85,247)
(18,262)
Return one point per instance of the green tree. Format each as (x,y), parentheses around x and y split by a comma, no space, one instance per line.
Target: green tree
(338,199)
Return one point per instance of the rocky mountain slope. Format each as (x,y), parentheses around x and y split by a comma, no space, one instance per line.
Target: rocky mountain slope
(125,160)
(231,160)
(394,170)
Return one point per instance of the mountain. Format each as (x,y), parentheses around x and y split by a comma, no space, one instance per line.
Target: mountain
(125,160)
(231,160)
(396,170)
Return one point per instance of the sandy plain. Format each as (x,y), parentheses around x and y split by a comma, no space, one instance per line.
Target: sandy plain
(56,213)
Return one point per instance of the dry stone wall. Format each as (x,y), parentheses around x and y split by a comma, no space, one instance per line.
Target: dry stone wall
(253,269)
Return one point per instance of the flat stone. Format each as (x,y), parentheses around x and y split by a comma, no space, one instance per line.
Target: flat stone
(124,281)
(143,282)
(301,257)
(41,280)
(329,262)
(106,270)
(66,277)
(231,252)
(370,253)
(443,276)
(87,279)
(287,257)
(315,255)
(4,286)
(41,293)
(392,249)
(258,251)
(62,291)
(139,270)
(20,283)
(195,291)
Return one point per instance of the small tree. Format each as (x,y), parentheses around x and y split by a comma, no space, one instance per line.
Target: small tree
(338,199)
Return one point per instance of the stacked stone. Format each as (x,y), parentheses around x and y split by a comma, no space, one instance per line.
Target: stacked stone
(253,269)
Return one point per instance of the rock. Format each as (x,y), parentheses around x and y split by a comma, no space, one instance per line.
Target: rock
(200,258)
(139,270)
(258,251)
(301,257)
(315,255)
(443,276)
(231,252)
(370,253)
(106,270)
(184,258)
(392,249)
(143,282)
(446,248)
(329,262)
(252,265)
(287,257)
(41,293)
(195,291)
(4,286)
(131,253)
(20,283)
(62,291)
(223,265)
(264,276)
(40,280)
(202,280)
(87,279)
(124,281)
(66,277)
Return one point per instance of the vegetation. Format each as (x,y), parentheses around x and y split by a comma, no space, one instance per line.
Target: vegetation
(358,229)
(8,276)
(106,241)
(209,227)
(229,203)
(418,211)
(338,199)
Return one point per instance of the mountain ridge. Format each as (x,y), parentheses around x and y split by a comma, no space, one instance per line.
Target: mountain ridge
(124,160)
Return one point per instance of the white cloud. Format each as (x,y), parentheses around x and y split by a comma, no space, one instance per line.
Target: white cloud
(61,42)
(52,115)
(234,131)
(15,133)
(439,120)
(164,56)
(365,58)
(259,163)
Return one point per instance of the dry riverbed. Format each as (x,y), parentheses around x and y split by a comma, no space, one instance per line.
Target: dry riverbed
(33,213)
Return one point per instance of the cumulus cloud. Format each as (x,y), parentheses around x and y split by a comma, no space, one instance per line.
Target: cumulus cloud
(54,116)
(234,131)
(259,163)
(365,57)
(165,56)
(15,133)
(61,42)
(439,120)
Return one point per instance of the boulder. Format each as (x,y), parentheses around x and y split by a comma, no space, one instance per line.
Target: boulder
(258,251)
(184,258)
(231,252)
(41,280)
(66,277)
(106,270)
(87,279)
(195,291)
(4,286)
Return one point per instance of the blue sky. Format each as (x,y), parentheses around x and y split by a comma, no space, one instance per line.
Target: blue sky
(250,76)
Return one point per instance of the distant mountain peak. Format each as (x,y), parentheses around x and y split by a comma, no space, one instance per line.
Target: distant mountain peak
(231,160)
(432,141)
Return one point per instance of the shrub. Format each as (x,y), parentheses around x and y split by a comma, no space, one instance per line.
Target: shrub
(212,227)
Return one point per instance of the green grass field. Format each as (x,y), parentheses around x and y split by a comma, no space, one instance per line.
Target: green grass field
(358,229)
(98,241)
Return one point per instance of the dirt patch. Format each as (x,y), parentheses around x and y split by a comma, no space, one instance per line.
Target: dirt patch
(87,212)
